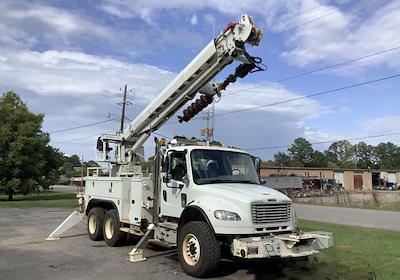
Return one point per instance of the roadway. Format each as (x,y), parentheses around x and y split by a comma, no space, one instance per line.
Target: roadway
(65,188)
(389,220)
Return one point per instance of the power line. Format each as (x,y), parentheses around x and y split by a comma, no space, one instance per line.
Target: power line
(327,142)
(81,126)
(302,97)
(317,70)
(72,141)
(311,95)
(306,11)
(290,18)
(318,16)
(76,139)
(158,134)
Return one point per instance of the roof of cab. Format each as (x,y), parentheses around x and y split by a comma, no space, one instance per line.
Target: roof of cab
(200,147)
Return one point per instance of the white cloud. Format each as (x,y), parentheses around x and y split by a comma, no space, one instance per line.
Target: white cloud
(344,35)
(37,18)
(210,20)
(61,20)
(194,20)
(315,31)
(381,125)
(75,73)
(146,10)
(301,110)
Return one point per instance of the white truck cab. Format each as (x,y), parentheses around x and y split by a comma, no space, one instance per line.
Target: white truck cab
(224,184)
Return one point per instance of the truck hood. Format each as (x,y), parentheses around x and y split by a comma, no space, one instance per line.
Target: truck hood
(242,192)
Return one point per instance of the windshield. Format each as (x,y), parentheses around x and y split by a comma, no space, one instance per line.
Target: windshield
(213,166)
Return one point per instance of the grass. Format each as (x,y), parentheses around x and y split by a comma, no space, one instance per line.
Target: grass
(389,206)
(43,199)
(358,253)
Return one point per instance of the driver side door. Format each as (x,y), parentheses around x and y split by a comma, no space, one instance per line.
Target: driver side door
(173,189)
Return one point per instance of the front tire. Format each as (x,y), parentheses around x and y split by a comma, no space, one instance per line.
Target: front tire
(112,235)
(95,223)
(198,250)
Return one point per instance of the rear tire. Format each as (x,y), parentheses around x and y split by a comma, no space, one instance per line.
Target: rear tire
(198,250)
(95,223)
(112,235)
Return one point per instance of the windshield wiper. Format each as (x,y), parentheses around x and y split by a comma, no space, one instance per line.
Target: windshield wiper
(229,181)
(218,181)
(248,182)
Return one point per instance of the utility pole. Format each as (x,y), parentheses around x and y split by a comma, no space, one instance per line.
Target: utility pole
(208,132)
(80,188)
(123,110)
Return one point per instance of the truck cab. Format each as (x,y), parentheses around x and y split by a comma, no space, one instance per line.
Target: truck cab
(224,184)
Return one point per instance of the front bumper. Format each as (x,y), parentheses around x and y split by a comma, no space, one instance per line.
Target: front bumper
(283,246)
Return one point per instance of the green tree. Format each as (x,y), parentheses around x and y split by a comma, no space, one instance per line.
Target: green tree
(281,159)
(26,159)
(341,154)
(387,156)
(301,152)
(67,169)
(364,155)
(75,160)
(318,159)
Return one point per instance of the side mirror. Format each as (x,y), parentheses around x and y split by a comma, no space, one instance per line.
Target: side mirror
(263,181)
(185,180)
(166,178)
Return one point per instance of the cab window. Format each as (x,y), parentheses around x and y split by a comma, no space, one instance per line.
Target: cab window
(178,166)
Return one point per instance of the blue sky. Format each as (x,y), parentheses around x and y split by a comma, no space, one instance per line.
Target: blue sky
(69,59)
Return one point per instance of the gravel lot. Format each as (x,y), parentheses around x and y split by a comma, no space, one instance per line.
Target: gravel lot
(25,254)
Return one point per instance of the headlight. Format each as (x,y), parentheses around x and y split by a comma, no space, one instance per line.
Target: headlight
(226,215)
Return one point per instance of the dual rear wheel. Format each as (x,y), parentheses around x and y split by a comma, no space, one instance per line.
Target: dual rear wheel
(198,248)
(105,225)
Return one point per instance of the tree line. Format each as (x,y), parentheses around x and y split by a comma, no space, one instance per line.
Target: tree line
(340,154)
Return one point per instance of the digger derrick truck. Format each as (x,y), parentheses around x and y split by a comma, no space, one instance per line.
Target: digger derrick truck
(199,197)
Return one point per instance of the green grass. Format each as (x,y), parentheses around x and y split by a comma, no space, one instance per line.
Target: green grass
(43,199)
(358,253)
(390,206)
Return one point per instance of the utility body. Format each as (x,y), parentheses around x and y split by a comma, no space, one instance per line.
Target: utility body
(198,197)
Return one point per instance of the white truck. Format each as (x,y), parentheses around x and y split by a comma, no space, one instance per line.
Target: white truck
(199,198)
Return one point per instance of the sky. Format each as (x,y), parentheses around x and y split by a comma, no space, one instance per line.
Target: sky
(70,60)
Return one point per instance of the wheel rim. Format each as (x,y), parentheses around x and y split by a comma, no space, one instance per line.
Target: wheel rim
(191,249)
(92,224)
(109,228)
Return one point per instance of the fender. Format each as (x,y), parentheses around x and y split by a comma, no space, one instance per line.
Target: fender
(194,213)
(100,202)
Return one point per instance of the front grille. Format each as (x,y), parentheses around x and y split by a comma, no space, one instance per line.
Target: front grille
(270,213)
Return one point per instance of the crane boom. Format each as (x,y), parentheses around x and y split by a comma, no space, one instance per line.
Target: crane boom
(194,78)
